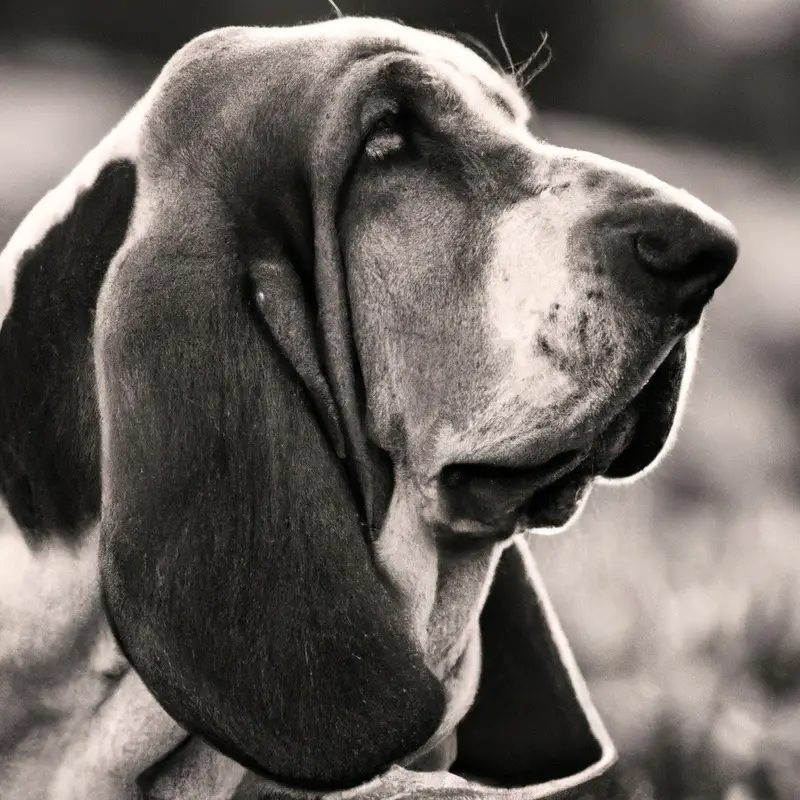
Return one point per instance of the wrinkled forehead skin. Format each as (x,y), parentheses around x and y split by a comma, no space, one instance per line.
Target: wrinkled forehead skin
(215,93)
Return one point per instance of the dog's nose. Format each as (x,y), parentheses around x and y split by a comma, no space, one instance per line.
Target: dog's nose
(688,251)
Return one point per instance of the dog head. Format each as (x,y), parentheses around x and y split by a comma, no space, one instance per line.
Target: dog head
(538,303)
(355,326)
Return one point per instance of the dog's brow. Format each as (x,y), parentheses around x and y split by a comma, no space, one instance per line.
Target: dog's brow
(496,98)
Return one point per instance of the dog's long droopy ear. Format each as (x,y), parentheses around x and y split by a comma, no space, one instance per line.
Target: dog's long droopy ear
(532,721)
(234,561)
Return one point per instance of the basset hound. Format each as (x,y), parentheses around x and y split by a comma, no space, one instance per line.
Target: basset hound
(289,364)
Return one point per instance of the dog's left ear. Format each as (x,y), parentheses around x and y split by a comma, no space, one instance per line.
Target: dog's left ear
(235,559)
(235,546)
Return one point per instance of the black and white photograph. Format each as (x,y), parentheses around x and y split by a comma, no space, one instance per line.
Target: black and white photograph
(400,400)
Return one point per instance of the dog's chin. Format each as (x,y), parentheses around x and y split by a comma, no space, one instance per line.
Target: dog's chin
(500,501)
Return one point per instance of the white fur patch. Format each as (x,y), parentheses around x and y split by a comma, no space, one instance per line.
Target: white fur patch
(58,659)
(122,142)
(551,382)
(54,207)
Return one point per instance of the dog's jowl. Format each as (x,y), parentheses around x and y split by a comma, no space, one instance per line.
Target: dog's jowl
(288,366)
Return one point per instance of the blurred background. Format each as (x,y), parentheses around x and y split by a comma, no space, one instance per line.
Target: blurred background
(681,595)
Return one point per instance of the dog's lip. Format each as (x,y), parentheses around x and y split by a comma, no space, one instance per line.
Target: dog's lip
(589,458)
(553,505)
(657,406)
(633,438)
(492,501)
(501,498)
(647,422)
(476,502)
(539,475)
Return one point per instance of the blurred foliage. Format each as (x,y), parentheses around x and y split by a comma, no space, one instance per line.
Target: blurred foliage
(680,594)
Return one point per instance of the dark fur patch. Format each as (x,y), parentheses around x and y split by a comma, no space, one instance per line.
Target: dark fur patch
(544,345)
(552,312)
(49,431)
(594,178)
(583,326)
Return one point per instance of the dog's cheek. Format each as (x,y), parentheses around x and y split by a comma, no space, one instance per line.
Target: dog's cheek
(415,267)
(368,246)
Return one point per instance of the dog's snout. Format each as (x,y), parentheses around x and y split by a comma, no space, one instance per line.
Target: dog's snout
(692,253)
(658,244)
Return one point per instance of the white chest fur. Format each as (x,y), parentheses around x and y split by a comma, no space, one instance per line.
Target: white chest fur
(58,659)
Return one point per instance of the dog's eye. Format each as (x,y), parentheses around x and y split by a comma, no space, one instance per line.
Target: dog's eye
(386,137)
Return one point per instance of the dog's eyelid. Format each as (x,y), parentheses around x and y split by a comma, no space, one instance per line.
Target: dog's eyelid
(389,133)
(382,144)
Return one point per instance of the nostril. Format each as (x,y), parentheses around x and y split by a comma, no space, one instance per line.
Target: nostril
(707,262)
(652,252)
(678,254)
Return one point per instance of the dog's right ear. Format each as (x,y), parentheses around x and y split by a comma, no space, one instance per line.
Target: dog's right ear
(235,565)
(532,721)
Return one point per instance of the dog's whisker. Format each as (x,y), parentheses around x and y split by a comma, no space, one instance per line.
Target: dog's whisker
(511,65)
(531,61)
(338,11)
